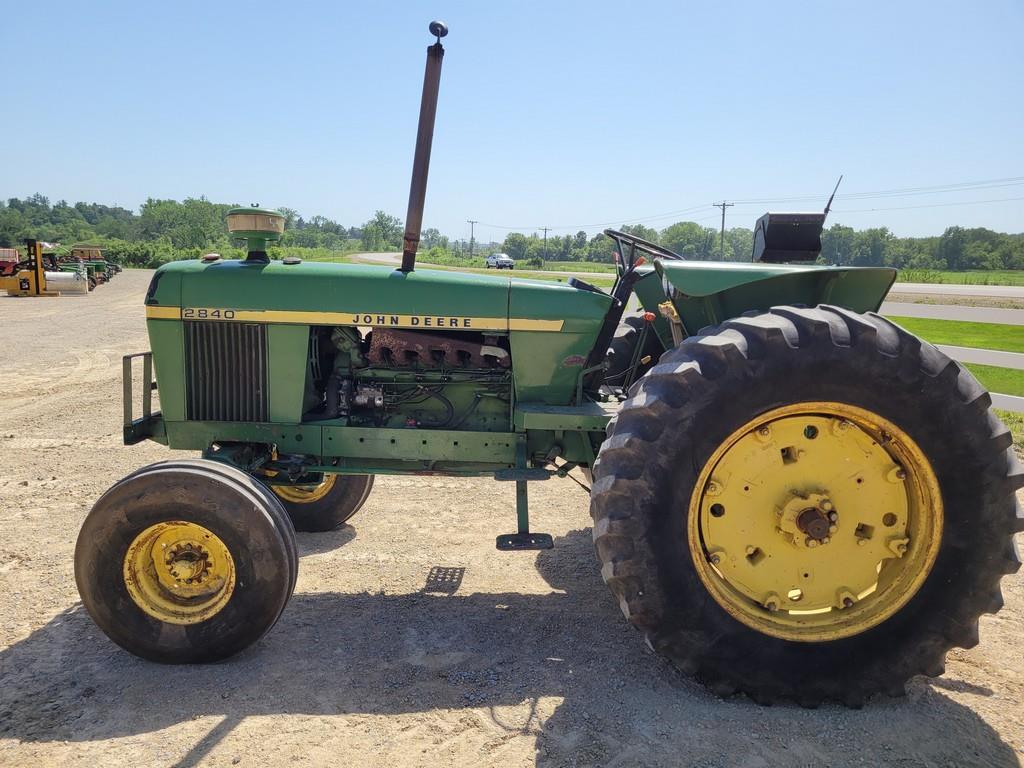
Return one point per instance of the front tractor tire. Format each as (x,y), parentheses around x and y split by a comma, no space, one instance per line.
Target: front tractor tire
(326,505)
(186,562)
(806,504)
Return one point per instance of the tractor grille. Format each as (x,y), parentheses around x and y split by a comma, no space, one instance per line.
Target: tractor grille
(226,371)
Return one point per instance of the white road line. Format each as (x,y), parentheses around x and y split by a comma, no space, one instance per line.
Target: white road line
(945,289)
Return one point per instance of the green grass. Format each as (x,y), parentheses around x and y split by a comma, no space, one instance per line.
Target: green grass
(980,277)
(578,266)
(1015,421)
(1005,381)
(1007,338)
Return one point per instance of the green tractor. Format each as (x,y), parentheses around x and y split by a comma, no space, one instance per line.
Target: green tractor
(791,496)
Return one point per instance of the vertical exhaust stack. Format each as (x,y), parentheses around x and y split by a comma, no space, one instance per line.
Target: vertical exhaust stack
(424,138)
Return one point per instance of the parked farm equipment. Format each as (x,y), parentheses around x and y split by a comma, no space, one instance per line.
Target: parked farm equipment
(791,496)
(41,275)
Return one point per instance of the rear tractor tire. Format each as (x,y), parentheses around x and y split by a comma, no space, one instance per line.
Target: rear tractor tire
(185,562)
(807,504)
(326,505)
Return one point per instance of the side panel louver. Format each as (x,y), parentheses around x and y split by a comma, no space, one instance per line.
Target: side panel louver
(226,371)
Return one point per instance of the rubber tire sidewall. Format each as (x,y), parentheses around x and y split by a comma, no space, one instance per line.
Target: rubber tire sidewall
(329,513)
(683,621)
(262,567)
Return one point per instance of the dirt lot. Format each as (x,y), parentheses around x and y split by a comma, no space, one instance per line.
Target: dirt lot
(527,661)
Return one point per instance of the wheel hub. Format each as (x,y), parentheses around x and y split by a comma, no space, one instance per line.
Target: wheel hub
(807,520)
(179,572)
(815,521)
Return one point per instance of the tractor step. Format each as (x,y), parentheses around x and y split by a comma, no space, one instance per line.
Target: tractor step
(523,474)
(510,542)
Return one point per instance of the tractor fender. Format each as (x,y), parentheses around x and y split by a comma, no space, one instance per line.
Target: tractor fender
(707,292)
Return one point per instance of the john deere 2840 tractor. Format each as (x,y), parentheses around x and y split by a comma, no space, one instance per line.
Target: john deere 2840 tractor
(791,496)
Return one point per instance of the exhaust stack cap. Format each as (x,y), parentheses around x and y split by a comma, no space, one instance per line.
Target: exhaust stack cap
(438,29)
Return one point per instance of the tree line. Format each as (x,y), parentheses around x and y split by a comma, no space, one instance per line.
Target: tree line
(164,230)
(957,248)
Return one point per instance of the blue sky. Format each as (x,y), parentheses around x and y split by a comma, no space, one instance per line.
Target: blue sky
(565,114)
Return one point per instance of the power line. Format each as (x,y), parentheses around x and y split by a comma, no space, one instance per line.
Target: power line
(615,222)
(931,205)
(965,186)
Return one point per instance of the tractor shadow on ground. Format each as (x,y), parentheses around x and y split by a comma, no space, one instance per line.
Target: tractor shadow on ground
(317,543)
(561,669)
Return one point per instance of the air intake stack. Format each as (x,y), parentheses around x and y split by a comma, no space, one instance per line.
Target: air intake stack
(257,226)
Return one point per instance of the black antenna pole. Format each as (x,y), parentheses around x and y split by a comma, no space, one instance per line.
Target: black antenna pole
(828,205)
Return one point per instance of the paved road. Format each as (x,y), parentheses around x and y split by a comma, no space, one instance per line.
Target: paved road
(1007,402)
(954,312)
(943,289)
(984,356)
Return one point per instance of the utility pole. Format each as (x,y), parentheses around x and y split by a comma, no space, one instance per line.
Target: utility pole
(545,242)
(723,205)
(472,224)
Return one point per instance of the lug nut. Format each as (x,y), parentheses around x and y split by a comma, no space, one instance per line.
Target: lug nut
(833,516)
(833,528)
(827,506)
(715,559)
(847,602)
(812,543)
(764,432)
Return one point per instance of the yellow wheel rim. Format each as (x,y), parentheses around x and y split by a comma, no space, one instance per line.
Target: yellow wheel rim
(179,572)
(815,521)
(305,494)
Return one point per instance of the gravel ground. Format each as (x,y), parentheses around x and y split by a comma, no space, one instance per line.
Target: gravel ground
(527,661)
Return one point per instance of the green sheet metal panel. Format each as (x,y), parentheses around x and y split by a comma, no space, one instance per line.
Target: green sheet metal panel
(314,293)
(706,293)
(550,349)
(288,354)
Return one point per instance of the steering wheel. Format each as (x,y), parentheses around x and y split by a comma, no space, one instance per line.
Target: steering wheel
(628,262)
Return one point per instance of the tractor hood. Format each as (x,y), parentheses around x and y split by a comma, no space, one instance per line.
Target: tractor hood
(708,292)
(318,293)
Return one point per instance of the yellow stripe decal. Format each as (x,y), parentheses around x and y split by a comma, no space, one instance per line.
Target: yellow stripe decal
(163,313)
(373,319)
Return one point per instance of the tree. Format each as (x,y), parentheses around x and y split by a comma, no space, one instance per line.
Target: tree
(515,245)
(382,231)
(690,240)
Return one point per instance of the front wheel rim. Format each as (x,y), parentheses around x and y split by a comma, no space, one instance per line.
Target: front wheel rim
(815,521)
(179,572)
